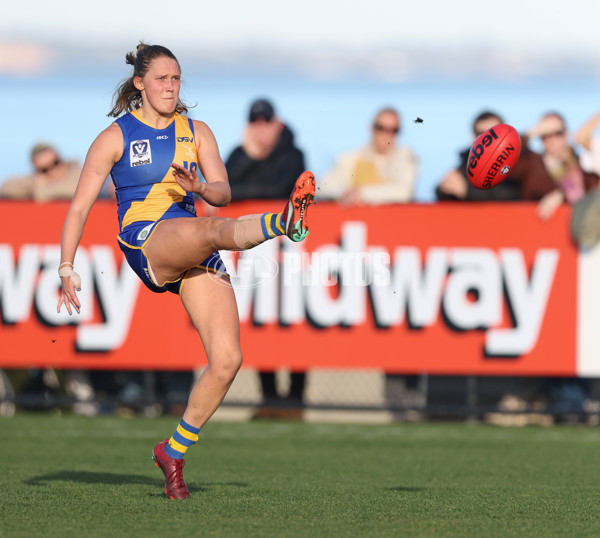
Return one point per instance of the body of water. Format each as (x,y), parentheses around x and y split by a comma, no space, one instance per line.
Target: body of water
(327,117)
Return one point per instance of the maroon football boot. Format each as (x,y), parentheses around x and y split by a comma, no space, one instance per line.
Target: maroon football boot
(175,486)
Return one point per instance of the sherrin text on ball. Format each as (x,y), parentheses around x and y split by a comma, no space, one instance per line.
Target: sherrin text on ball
(493,156)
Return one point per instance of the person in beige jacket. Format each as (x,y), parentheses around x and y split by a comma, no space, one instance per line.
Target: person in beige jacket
(382,172)
(53,177)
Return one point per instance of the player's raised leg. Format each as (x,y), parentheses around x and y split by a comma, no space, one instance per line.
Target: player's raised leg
(178,244)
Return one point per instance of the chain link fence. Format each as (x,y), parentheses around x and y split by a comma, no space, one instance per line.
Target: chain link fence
(496,400)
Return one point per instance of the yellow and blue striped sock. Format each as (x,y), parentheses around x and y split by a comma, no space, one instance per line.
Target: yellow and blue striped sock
(272,224)
(184,437)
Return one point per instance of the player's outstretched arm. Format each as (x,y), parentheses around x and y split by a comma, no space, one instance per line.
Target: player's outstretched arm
(103,153)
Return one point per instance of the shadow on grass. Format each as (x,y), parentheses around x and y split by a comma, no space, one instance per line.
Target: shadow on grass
(90,477)
(406,489)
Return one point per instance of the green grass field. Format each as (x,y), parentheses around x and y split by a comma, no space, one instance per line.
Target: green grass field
(70,476)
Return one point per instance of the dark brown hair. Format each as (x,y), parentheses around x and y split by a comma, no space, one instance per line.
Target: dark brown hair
(127,97)
(484,116)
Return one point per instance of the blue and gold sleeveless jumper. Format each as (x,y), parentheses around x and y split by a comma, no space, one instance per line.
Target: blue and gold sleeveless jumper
(147,192)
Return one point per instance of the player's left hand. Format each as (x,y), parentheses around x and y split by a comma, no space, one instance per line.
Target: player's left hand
(71,283)
(188,181)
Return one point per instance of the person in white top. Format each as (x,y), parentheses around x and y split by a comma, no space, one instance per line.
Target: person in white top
(381,172)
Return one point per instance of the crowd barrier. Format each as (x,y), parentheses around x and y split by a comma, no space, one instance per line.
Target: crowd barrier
(442,289)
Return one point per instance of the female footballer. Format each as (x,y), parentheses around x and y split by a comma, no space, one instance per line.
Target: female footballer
(152,152)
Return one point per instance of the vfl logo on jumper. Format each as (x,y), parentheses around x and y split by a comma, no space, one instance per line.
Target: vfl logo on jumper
(140,153)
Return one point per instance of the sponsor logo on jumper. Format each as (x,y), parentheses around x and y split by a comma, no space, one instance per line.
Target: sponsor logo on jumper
(162,137)
(185,139)
(140,152)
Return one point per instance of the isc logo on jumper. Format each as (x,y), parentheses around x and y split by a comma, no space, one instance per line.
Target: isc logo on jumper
(140,153)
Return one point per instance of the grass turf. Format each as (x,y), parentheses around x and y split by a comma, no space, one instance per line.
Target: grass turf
(70,476)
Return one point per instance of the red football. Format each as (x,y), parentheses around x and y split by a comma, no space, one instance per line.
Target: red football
(493,156)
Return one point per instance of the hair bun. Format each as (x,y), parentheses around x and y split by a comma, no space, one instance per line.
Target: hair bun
(131,57)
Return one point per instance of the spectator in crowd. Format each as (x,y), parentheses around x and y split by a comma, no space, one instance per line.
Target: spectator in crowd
(267,163)
(529,181)
(266,166)
(562,163)
(381,172)
(53,177)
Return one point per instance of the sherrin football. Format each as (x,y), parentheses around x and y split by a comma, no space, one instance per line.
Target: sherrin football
(493,156)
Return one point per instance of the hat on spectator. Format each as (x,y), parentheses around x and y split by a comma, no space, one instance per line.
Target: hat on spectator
(261,108)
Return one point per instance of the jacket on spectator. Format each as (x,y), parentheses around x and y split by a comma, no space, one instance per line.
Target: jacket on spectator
(271,178)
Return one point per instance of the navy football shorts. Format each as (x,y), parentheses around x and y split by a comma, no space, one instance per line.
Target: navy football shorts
(132,240)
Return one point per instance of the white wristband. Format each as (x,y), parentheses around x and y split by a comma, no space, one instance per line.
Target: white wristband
(65,272)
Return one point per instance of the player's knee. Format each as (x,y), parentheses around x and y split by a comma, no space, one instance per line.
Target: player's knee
(227,366)
(211,228)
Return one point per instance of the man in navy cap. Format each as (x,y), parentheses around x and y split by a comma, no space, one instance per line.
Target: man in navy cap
(261,109)
(267,163)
